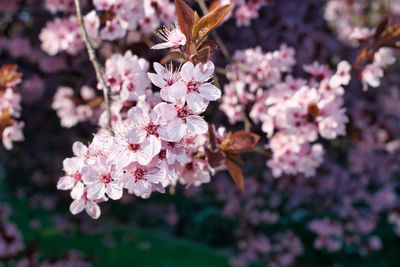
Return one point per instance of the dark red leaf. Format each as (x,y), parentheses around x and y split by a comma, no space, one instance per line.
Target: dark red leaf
(186,18)
(171,56)
(215,158)
(239,142)
(210,43)
(209,22)
(236,173)
(204,54)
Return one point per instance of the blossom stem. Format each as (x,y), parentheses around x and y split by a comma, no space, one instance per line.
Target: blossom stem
(247,123)
(96,65)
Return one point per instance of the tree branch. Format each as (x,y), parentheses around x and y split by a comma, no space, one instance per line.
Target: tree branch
(96,65)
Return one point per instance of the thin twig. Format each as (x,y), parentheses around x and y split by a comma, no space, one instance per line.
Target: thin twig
(95,62)
(247,123)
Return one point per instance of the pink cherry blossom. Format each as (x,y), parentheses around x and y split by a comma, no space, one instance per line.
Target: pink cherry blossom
(194,173)
(101,179)
(181,120)
(73,178)
(198,91)
(172,37)
(168,80)
(141,180)
(148,131)
(83,203)
(342,75)
(12,134)
(62,35)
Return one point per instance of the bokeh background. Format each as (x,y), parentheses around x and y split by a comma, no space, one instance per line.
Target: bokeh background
(348,214)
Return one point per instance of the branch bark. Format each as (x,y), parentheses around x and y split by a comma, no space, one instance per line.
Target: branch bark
(96,65)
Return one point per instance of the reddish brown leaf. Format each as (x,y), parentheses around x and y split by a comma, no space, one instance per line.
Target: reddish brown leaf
(381,27)
(95,102)
(211,135)
(210,43)
(241,141)
(215,158)
(186,18)
(9,75)
(5,118)
(204,54)
(226,141)
(171,56)
(236,173)
(214,5)
(191,49)
(209,22)
(235,158)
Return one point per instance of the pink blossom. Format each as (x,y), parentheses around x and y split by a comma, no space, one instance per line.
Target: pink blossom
(342,75)
(198,90)
(140,180)
(371,75)
(180,120)
(61,35)
(12,134)
(83,203)
(126,74)
(172,37)
(73,178)
(168,80)
(148,130)
(194,173)
(292,157)
(101,179)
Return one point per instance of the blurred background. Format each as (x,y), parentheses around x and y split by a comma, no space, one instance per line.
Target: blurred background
(348,214)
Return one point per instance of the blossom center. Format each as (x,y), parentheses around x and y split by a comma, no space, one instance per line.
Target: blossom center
(78,176)
(192,86)
(189,166)
(183,112)
(106,178)
(138,174)
(163,154)
(151,129)
(134,147)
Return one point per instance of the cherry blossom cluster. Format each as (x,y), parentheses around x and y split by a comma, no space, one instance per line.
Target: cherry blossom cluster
(158,139)
(293,112)
(10,106)
(61,34)
(72,109)
(331,234)
(372,73)
(112,20)
(55,6)
(349,21)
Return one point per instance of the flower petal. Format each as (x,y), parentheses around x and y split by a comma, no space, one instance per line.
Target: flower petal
(209,92)
(93,209)
(203,72)
(187,71)
(136,136)
(77,191)
(197,124)
(114,191)
(157,80)
(65,183)
(196,103)
(77,206)
(96,191)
